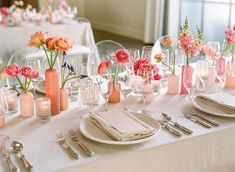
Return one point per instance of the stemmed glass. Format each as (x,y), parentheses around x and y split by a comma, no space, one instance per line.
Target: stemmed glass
(189,80)
(89,94)
(35,63)
(144,86)
(134,55)
(105,88)
(146,52)
(221,69)
(125,86)
(203,71)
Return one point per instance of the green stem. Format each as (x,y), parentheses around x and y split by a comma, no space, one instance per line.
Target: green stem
(233,53)
(62,72)
(28,84)
(48,60)
(21,85)
(173,71)
(116,73)
(187,59)
(168,67)
(53,62)
(225,47)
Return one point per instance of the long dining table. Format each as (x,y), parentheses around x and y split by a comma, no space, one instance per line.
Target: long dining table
(206,150)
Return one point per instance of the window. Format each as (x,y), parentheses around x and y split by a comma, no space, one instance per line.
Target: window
(212,16)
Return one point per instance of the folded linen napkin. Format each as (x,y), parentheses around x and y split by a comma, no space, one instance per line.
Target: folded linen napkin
(122,126)
(223,102)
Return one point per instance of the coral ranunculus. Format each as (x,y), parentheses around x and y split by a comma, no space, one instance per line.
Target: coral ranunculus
(121,56)
(167,42)
(50,43)
(62,44)
(104,65)
(160,57)
(138,63)
(38,39)
(26,71)
(13,69)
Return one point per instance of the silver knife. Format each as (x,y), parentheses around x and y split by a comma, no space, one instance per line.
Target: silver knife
(7,157)
(192,118)
(213,122)
(171,129)
(85,149)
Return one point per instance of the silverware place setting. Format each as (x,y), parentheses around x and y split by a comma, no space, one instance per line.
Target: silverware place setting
(170,129)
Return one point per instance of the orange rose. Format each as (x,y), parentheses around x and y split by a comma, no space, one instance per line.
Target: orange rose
(50,43)
(37,39)
(167,42)
(62,44)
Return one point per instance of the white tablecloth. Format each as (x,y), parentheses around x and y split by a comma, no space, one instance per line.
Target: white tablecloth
(16,38)
(206,150)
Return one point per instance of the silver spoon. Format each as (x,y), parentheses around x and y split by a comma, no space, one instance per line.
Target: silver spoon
(168,118)
(18,147)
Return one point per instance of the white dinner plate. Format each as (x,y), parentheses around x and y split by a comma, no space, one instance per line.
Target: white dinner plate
(208,109)
(91,131)
(40,87)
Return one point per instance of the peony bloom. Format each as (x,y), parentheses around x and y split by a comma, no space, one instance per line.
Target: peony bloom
(61,44)
(104,65)
(13,69)
(26,71)
(167,42)
(160,57)
(38,39)
(139,62)
(121,56)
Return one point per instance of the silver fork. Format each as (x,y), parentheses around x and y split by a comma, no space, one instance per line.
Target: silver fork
(63,143)
(85,149)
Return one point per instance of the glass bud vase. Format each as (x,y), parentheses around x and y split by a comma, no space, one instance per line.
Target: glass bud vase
(53,89)
(173,84)
(64,99)
(230,80)
(26,104)
(115,96)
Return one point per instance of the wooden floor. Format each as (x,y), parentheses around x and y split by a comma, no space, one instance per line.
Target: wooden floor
(125,41)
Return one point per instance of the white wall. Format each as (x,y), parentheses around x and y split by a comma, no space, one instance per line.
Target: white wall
(123,17)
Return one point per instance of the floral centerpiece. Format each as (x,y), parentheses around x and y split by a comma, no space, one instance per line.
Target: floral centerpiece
(26,98)
(120,57)
(53,47)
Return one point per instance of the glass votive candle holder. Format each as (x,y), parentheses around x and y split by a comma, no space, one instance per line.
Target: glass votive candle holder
(43,109)
(11,101)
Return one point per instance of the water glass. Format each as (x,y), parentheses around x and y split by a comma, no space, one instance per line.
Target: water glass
(202,71)
(146,52)
(189,80)
(221,69)
(106,90)
(43,109)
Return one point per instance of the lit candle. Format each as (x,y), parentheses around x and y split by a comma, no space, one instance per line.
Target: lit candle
(43,109)
(11,102)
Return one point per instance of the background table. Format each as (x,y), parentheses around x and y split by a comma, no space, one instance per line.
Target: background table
(206,150)
(15,38)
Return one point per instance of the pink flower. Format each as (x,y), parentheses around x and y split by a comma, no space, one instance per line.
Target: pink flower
(5,11)
(3,74)
(149,68)
(229,35)
(104,65)
(139,62)
(157,76)
(121,56)
(34,74)
(13,69)
(209,51)
(26,71)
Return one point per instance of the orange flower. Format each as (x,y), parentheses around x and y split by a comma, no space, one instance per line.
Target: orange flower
(160,57)
(50,43)
(62,44)
(37,39)
(167,42)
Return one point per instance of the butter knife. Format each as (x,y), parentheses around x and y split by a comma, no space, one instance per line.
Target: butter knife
(211,121)
(7,157)
(202,123)
(171,129)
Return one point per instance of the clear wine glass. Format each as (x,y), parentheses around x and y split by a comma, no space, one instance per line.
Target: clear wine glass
(89,94)
(221,69)
(144,86)
(35,63)
(146,52)
(203,72)
(134,55)
(189,80)
(105,88)
(125,86)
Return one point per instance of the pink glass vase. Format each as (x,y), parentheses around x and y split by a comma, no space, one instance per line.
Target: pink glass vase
(64,99)
(189,70)
(173,84)
(115,96)
(26,104)
(230,80)
(53,89)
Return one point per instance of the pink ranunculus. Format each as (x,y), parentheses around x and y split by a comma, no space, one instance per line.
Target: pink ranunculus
(121,56)
(34,74)
(5,11)
(13,69)
(104,65)
(229,35)
(138,63)
(3,74)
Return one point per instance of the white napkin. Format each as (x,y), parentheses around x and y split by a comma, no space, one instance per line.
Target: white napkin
(222,101)
(122,126)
